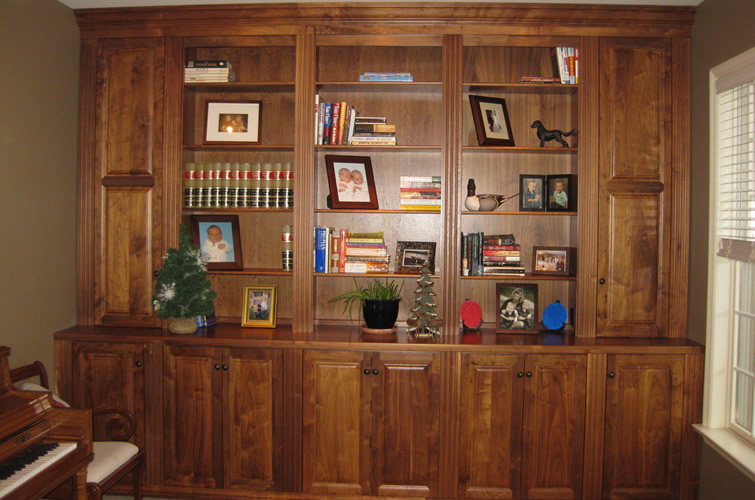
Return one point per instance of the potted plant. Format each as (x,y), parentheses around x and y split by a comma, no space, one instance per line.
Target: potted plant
(378,302)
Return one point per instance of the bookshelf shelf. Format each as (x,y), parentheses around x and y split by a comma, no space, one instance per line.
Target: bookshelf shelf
(377,148)
(229,210)
(526,277)
(537,214)
(370,275)
(520,149)
(355,211)
(523,88)
(222,87)
(239,147)
(251,271)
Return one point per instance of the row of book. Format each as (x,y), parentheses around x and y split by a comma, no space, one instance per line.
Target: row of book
(565,62)
(420,193)
(386,77)
(346,252)
(339,123)
(490,255)
(238,185)
(208,70)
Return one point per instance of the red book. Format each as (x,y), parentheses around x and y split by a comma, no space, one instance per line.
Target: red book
(342,250)
(334,123)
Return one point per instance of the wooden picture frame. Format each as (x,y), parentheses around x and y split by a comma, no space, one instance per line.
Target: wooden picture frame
(206,227)
(516,306)
(232,122)
(554,261)
(260,306)
(531,196)
(346,190)
(491,121)
(412,255)
(561,193)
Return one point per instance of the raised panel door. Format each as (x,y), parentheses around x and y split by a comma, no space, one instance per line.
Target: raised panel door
(634,198)
(192,416)
(252,436)
(643,426)
(405,438)
(336,422)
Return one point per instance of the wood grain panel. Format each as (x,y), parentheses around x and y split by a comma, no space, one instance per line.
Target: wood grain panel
(422,62)
(594,425)
(490,442)
(252,62)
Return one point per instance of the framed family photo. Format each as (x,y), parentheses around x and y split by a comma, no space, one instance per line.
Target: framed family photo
(232,122)
(491,121)
(411,256)
(219,240)
(517,308)
(260,306)
(531,193)
(560,193)
(556,261)
(351,182)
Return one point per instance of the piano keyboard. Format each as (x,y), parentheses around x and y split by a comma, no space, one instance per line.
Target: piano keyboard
(24,466)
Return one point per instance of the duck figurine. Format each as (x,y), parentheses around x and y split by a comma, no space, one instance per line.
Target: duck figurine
(483,202)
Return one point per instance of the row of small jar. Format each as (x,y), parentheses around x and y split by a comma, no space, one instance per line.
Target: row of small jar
(238,185)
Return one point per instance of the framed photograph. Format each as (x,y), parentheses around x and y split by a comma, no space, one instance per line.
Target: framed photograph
(517,308)
(560,193)
(232,122)
(491,121)
(531,193)
(351,182)
(412,255)
(260,306)
(219,240)
(557,261)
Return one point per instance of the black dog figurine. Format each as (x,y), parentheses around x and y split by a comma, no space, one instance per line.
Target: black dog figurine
(550,135)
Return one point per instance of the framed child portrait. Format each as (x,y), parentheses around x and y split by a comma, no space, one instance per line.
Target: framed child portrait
(232,122)
(219,240)
(260,306)
(411,256)
(555,261)
(351,182)
(560,193)
(491,121)
(531,193)
(517,308)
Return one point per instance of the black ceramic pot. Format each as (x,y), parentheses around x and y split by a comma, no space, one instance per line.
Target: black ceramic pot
(380,314)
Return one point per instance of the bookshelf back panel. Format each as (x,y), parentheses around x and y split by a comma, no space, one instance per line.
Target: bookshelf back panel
(424,63)
(239,156)
(230,295)
(505,64)
(253,64)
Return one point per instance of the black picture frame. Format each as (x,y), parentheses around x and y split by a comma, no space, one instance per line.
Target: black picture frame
(556,202)
(523,315)
(529,201)
(491,121)
(218,258)
(412,255)
(342,193)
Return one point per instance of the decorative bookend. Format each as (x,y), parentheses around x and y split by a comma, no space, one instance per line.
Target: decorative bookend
(423,320)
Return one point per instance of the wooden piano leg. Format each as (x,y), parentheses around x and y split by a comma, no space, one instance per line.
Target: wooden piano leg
(80,485)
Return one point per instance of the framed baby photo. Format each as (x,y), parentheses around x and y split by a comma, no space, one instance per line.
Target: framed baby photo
(491,121)
(561,193)
(260,306)
(411,256)
(555,261)
(219,240)
(351,182)
(531,193)
(517,308)
(232,122)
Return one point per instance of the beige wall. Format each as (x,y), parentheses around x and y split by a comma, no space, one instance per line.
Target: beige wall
(723,29)
(39,59)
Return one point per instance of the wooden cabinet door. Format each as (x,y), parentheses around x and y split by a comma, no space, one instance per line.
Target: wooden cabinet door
(110,375)
(554,426)
(126,179)
(192,416)
(634,191)
(490,423)
(644,406)
(405,436)
(336,422)
(252,421)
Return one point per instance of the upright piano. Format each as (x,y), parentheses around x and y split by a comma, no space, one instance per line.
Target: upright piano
(41,446)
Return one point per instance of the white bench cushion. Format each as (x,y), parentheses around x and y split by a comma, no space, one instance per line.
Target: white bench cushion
(108,456)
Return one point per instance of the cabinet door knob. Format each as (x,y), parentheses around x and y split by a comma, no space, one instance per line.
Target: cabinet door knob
(225,368)
(157,273)
(366,371)
(520,374)
(611,375)
(217,366)
(138,364)
(375,371)
(602,281)
(529,374)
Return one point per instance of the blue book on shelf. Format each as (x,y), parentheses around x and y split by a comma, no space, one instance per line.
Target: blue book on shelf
(321,249)
(388,78)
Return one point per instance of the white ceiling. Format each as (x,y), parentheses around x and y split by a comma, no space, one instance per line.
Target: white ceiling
(87,4)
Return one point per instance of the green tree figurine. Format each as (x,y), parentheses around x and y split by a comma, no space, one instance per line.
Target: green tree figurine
(423,320)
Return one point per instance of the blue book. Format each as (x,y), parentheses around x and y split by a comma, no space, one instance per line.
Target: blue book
(326,124)
(321,249)
(376,78)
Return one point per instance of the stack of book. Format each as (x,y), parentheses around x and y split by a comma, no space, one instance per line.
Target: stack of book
(372,131)
(565,62)
(386,77)
(420,193)
(208,71)
(346,252)
(338,123)
(490,255)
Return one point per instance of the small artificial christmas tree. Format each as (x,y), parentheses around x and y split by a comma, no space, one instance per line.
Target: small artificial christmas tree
(423,321)
(182,289)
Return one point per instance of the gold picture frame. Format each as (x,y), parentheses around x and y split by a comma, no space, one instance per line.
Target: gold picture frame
(260,306)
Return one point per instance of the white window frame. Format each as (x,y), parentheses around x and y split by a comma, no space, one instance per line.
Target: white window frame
(722,286)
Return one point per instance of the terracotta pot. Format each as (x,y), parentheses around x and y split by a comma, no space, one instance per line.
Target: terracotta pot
(182,325)
(380,314)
